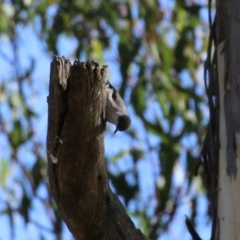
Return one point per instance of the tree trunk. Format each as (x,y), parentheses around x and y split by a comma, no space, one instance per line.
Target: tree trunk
(76,166)
(228,65)
(220,155)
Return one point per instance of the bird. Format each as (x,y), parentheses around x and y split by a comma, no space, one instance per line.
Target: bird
(116,112)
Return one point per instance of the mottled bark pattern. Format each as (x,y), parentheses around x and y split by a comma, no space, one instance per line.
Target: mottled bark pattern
(79,181)
(229,30)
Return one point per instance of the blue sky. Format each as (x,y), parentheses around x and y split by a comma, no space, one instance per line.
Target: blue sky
(31,47)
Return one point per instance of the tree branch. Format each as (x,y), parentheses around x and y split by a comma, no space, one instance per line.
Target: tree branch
(78,180)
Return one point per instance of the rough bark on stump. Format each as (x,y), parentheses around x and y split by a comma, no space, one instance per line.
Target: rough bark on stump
(79,181)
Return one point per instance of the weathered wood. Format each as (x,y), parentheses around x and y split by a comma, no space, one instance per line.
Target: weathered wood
(78,180)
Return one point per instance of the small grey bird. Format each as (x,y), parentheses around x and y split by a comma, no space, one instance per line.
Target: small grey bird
(116,111)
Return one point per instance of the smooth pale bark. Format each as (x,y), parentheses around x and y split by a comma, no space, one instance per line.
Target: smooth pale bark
(229,187)
(78,178)
(228,62)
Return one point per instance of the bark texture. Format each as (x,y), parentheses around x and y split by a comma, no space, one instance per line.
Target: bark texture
(228,61)
(228,33)
(220,154)
(78,180)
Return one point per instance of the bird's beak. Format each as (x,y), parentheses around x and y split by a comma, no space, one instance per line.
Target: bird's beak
(115,130)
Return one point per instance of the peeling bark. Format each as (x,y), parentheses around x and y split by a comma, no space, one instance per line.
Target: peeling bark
(220,155)
(78,180)
(228,60)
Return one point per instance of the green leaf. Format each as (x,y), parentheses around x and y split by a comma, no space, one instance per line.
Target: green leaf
(16,134)
(25,206)
(4,171)
(138,98)
(37,171)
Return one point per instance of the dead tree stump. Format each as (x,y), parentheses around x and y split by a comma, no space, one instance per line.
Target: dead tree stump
(75,149)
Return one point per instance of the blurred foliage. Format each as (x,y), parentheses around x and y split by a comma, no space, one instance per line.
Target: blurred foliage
(158,49)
